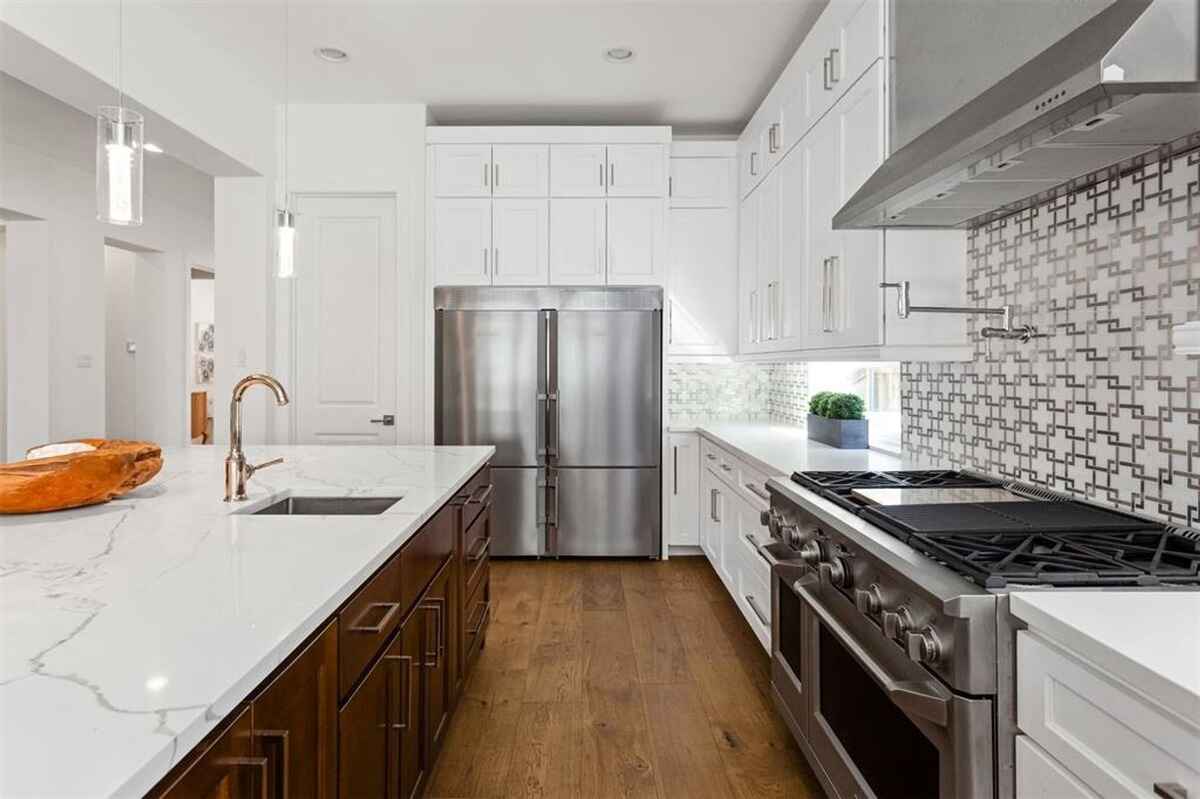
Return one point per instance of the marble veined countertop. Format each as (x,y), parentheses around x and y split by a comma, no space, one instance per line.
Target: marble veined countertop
(129,630)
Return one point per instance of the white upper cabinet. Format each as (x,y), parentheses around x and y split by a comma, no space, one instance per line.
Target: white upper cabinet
(520,170)
(637,241)
(701,278)
(462,242)
(858,40)
(577,242)
(768,271)
(578,170)
(462,170)
(520,242)
(749,307)
(636,170)
(702,182)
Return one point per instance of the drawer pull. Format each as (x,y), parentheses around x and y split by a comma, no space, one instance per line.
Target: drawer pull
(726,467)
(277,767)
(766,620)
(358,627)
(710,456)
(481,495)
(478,552)
(487,609)
(258,772)
(757,549)
(758,492)
(401,665)
(433,659)
(1170,790)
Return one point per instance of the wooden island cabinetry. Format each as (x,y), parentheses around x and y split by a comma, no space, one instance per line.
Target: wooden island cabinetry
(361,709)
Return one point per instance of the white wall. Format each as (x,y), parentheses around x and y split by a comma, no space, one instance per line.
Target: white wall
(48,172)
(120,367)
(3,354)
(367,149)
(27,335)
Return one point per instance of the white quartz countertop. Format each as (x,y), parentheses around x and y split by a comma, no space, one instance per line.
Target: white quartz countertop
(1149,639)
(783,449)
(129,630)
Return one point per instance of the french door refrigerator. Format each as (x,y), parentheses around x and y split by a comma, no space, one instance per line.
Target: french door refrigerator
(567,384)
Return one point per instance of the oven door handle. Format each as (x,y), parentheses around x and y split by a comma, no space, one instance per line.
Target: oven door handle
(923,698)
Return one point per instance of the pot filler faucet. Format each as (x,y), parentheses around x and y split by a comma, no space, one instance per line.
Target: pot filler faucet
(1009,331)
(237,471)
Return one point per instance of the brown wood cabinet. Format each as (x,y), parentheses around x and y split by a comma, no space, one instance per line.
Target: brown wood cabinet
(362,709)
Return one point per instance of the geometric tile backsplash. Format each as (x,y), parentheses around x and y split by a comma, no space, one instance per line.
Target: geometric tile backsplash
(1097,405)
(776,392)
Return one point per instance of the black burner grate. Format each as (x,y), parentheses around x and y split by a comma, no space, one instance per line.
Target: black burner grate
(1139,557)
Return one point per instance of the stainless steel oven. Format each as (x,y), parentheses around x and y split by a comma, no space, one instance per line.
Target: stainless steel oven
(878,725)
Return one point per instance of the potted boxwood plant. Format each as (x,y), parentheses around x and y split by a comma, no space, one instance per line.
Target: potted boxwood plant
(837,420)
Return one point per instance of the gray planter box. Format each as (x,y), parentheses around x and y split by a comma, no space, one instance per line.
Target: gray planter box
(840,433)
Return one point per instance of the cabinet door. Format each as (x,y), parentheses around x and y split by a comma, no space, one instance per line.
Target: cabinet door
(702,182)
(710,531)
(520,242)
(637,242)
(295,722)
(701,277)
(408,701)
(637,170)
(462,170)
(462,242)
(228,769)
(685,489)
(577,242)
(439,631)
(749,304)
(790,294)
(578,170)
(1040,776)
(724,527)
(520,170)
(859,39)
(820,149)
(767,273)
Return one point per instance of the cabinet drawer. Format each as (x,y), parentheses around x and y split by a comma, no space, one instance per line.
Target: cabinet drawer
(367,621)
(478,614)
(475,496)
(425,553)
(1117,742)
(752,484)
(1040,776)
(476,551)
(754,590)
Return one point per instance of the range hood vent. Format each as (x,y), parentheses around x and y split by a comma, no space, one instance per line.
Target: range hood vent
(1121,87)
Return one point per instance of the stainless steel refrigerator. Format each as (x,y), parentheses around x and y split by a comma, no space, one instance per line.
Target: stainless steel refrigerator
(567,384)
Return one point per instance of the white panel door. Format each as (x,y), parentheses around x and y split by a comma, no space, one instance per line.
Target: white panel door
(637,242)
(578,170)
(702,277)
(860,40)
(793,251)
(702,182)
(685,489)
(637,170)
(768,257)
(748,299)
(462,242)
(346,312)
(520,170)
(520,242)
(462,170)
(820,149)
(577,242)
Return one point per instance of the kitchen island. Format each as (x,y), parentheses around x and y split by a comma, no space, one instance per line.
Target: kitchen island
(131,630)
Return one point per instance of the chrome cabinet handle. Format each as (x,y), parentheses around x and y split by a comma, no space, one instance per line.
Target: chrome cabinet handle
(277,766)
(826,297)
(766,620)
(758,492)
(433,659)
(477,552)
(834,266)
(754,163)
(717,506)
(773,137)
(495,260)
(601,173)
(485,175)
(712,504)
(260,769)
(401,665)
(757,547)
(481,495)
(826,68)
(675,468)
(1170,790)
(726,467)
(754,316)
(485,260)
(496,176)
(834,75)
(374,629)
(612,174)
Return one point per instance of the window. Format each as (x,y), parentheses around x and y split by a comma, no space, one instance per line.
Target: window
(879,386)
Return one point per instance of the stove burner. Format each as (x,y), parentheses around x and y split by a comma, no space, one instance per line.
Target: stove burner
(1149,557)
(836,486)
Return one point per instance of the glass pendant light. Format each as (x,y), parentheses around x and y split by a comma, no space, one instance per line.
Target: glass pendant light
(285,220)
(120,135)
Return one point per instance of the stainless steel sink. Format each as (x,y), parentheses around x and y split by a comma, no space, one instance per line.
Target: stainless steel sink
(328,506)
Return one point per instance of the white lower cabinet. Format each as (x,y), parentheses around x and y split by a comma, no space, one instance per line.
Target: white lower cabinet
(577,242)
(1040,776)
(1112,740)
(685,490)
(637,241)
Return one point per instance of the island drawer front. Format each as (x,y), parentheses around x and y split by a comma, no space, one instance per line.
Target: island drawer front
(478,614)
(475,496)
(1116,741)
(367,622)
(477,550)
(425,553)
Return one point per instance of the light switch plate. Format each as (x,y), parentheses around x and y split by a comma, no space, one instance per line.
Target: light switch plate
(1186,338)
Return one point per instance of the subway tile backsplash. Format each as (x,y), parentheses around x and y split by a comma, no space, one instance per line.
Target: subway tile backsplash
(1097,405)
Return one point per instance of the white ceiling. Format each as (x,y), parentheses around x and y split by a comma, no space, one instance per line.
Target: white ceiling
(701,65)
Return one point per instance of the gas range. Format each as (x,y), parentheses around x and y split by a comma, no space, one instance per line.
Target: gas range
(875,568)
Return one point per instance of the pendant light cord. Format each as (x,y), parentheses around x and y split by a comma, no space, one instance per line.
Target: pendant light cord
(286,91)
(120,58)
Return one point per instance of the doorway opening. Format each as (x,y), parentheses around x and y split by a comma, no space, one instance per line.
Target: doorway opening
(201,366)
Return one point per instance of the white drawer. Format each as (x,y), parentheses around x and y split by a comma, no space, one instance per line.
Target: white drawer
(1116,741)
(1040,776)
(754,592)
(752,484)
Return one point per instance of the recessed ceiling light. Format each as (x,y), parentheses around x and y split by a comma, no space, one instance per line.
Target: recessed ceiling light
(619,55)
(151,147)
(332,54)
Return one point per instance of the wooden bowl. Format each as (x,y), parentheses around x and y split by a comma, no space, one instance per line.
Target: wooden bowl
(78,479)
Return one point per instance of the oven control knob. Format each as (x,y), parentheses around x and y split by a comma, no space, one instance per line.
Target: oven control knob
(835,573)
(896,624)
(868,600)
(765,516)
(810,553)
(924,647)
(791,536)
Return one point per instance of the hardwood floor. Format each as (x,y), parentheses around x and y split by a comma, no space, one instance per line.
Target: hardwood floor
(618,679)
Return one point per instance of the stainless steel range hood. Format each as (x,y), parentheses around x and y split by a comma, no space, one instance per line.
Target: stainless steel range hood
(1099,83)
